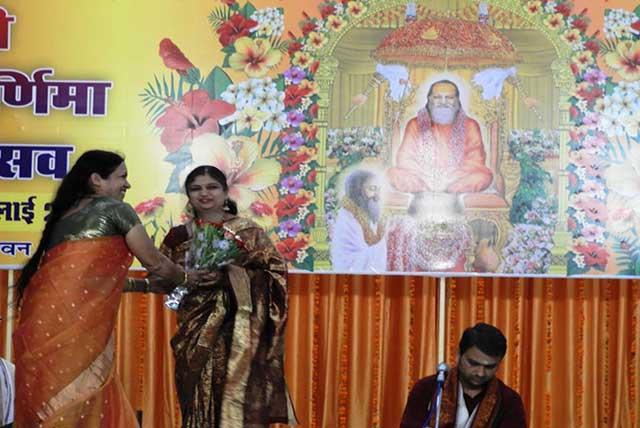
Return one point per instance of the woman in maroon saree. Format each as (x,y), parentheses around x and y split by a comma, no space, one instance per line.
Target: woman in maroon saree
(229,346)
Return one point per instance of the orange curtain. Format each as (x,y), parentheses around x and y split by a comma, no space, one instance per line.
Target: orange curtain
(356,344)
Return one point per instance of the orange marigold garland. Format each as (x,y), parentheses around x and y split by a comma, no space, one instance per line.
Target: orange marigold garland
(343,385)
(515,309)
(480,296)
(633,349)
(580,353)
(142,340)
(375,387)
(606,399)
(315,351)
(548,316)
(412,331)
(453,308)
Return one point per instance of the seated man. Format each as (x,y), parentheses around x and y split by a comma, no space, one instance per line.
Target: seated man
(442,149)
(472,394)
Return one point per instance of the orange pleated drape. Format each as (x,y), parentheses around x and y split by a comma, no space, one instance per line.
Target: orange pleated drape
(356,344)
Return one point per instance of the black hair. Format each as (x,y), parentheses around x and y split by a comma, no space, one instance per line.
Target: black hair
(217,175)
(486,338)
(354,184)
(74,186)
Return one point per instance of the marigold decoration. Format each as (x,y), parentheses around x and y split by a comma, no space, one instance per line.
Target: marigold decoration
(446,43)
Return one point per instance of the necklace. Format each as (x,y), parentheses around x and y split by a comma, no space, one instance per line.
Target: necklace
(217,224)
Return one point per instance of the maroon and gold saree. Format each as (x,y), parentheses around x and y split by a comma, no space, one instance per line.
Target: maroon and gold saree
(229,346)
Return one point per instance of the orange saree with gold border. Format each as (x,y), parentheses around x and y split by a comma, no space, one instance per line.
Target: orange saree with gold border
(65,339)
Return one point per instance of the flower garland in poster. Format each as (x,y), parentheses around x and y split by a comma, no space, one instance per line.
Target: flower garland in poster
(533,213)
(605,117)
(258,131)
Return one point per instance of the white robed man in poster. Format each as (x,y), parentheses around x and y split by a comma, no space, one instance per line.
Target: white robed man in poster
(358,242)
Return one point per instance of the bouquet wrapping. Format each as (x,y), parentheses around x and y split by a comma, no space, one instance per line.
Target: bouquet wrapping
(213,246)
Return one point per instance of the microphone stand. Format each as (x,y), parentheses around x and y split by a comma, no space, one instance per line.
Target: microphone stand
(439,388)
(440,381)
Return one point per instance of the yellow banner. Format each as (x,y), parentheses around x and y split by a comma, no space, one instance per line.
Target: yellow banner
(493,137)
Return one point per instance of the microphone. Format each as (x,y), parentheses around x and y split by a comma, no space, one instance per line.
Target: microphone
(442,371)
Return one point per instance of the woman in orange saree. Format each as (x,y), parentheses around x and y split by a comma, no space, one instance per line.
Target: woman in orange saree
(70,293)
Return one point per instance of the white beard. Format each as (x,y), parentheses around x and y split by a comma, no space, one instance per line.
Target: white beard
(373,210)
(443,115)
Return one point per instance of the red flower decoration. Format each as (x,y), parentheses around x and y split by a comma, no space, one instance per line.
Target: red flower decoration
(260,208)
(593,254)
(293,95)
(574,68)
(310,220)
(564,9)
(310,132)
(573,112)
(289,248)
(292,162)
(294,47)
(237,26)
(326,10)
(311,177)
(149,207)
(313,111)
(580,24)
(314,67)
(194,115)
(288,205)
(636,25)
(593,46)
(307,27)
(591,95)
(229,2)
(173,57)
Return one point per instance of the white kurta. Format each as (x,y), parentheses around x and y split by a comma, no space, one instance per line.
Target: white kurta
(349,250)
(463,418)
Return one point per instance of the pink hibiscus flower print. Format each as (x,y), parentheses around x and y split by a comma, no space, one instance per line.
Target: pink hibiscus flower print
(194,115)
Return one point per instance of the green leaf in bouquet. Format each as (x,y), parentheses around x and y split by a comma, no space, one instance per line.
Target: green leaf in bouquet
(216,82)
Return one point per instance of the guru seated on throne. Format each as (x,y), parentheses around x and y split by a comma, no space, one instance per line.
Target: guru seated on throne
(441,156)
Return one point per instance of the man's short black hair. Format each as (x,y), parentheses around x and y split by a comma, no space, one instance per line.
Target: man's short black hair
(486,338)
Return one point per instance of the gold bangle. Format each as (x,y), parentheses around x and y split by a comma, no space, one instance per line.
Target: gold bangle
(185,278)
